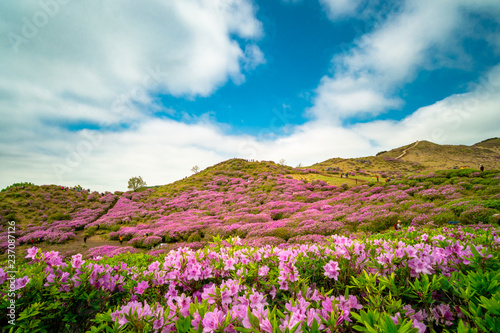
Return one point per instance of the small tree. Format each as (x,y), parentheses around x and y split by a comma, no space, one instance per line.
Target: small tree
(282,161)
(195,169)
(135,183)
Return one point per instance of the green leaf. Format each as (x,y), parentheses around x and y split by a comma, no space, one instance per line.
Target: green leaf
(244,330)
(461,327)
(390,327)
(254,321)
(294,328)
(475,252)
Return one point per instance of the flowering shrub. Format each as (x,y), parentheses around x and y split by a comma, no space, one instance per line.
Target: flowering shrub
(151,241)
(109,251)
(307,239)
(235,202)
(55,214)
(476,214)
(263,241)
(413,281)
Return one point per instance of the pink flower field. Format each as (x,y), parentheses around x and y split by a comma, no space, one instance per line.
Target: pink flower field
(413,280)
(245,251)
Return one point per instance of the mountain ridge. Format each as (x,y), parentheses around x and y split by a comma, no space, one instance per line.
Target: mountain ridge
(263,201)
(421,156)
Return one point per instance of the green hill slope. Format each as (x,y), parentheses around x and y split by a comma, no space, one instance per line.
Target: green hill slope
(421,156)
(264,202)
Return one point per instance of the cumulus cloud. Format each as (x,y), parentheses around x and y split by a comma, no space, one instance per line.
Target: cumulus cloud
(420,36)
(458,119)
(91,53)
(91,64)
(105,75)
(253,57)
(345,96)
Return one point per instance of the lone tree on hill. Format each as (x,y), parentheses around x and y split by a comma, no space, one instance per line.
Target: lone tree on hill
(135,183)
(195,169)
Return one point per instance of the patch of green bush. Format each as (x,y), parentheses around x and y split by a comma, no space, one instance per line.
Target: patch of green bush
(476,214)
(489,191)
(438,181)
(59,217)
(17,185)
(12,217)
(283,233)
(90,231)
(466,185)
(444,217)
(194,237)
(493,204)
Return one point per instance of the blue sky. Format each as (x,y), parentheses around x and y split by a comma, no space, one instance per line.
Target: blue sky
(154,88)
(298,45)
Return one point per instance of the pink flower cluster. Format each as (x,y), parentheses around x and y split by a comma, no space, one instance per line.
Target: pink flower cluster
(212,280)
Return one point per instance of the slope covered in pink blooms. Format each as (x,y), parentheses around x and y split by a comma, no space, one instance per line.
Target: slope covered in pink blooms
(262,204)
(277,208)
(49,213)
(250,247)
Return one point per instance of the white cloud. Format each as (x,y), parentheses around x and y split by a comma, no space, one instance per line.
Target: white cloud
(345,96)
(105,72)
(338,8)
(421,36)
(100,63)
(93,52)
(459,119)
(253,57)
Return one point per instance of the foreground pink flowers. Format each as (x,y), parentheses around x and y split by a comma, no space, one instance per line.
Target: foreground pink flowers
(332,270)
(229,287)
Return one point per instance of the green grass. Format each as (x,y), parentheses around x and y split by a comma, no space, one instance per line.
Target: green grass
(230,168)
(36,204)
(335,179)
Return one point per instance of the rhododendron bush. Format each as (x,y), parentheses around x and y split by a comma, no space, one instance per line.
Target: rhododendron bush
(424,280)
(272,205)
(240,251)
(255,206)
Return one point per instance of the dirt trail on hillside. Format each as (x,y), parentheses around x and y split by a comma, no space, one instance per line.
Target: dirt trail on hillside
(404,151)
(76,245)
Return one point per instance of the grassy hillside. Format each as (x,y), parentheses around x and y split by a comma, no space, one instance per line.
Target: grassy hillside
(421,156)
(434,157)
(233,168)
(261,202)
(273,208)
(47,203)
(50,214)
(491,144)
